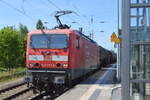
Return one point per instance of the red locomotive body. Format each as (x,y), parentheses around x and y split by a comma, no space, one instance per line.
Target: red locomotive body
(57,57)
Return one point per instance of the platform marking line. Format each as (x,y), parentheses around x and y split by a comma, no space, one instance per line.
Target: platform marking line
(95,94)
(90,91)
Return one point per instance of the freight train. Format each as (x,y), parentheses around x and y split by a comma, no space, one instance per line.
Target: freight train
(106,56)
(56,58)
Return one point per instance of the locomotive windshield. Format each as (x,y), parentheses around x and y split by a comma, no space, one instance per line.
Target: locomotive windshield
(56,41)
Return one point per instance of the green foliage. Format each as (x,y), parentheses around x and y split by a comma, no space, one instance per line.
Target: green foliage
(22,40)
(12,48)
(22,52)
(23,29)
(6,76)
(39,24)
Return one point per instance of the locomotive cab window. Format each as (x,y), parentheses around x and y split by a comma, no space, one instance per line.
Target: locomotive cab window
(77,43)
(55,41)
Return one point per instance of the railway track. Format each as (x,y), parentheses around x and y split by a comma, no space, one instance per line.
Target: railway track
(13,96)
(20,91)
(14,92)
(38,96)
(12,87)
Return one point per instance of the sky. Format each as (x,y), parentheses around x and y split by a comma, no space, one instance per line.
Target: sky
(27,12)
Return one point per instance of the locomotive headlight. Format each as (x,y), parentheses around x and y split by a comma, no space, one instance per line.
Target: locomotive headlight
(31,65)
(65,65)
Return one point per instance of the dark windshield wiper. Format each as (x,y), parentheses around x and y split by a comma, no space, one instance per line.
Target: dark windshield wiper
(48,44)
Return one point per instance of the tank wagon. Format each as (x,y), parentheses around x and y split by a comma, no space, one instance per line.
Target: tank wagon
(106,56)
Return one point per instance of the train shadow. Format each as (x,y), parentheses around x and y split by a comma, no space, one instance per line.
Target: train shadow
(106,75)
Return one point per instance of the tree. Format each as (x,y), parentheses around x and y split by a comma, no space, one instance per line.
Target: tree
(12,47)
(23,29)
(39,25)
(9,47)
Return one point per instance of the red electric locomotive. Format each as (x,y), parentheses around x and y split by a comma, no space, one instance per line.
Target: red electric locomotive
(56,57)
(59,56)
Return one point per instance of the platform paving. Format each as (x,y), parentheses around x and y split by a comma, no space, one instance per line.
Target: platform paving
(97,87)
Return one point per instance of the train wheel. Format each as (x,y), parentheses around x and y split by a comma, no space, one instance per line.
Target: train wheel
(28,84)
(35,91)
(70,83)
(51,97)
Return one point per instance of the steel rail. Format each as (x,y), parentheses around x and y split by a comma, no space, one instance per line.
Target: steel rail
(12,87)
(37,97)
(17,94)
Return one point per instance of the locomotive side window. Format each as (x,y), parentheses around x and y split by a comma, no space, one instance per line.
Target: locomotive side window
(77,43)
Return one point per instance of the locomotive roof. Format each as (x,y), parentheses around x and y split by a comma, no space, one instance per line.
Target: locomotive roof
(51,31)
(61,31)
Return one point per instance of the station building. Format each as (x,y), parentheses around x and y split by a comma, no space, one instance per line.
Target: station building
(134,50)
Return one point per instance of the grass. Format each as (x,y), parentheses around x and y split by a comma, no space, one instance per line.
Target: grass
(12,74)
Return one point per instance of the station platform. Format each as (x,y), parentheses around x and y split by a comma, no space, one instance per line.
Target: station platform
(100,86)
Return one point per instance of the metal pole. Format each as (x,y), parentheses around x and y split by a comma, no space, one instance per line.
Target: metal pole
(148,14)
(125,50)
(118,52)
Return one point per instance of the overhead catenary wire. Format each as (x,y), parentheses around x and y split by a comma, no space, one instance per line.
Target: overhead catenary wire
(52,3)
(85,18)
(16,9)
(90,22)
(22,6)
(23,12)
(79,13)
